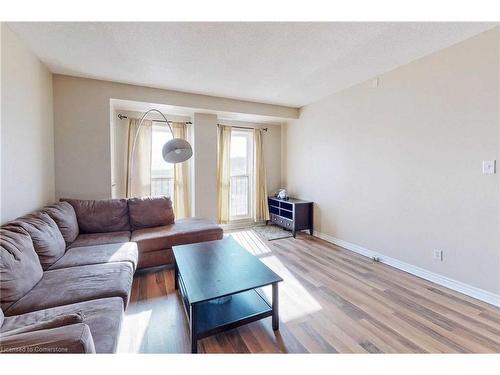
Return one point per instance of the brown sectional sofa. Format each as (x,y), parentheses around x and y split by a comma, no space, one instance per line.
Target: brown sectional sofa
(66,271)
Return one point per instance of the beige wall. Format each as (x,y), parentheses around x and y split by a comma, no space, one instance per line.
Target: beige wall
(27,138)
(204,200)
(87,164)
(82,127)
(397,169)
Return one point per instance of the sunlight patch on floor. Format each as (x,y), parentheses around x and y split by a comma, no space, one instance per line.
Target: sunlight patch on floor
(251,241)
(294,300)
(134,327)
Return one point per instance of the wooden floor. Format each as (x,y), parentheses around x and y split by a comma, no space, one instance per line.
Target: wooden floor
(332,301)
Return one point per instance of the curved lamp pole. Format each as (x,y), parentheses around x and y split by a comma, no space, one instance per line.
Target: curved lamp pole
(174,151)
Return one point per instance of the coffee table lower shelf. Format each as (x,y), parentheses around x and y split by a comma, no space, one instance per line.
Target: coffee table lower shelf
(242,308)
(208,318)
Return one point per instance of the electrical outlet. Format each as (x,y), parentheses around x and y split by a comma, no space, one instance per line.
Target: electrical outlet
(438,255)
(489,166)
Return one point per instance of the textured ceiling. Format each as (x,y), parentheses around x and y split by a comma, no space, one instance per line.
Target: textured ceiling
(281,63)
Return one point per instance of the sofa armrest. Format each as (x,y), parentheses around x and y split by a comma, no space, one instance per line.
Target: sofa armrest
(75,338)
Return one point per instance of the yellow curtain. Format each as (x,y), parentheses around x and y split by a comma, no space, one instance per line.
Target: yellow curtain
(181,202)
(223,173)
(261,208)
(139,175)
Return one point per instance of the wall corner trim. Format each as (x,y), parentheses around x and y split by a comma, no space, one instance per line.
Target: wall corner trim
(458,286)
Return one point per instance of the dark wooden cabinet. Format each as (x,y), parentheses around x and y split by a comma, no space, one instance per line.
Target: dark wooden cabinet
(292,214)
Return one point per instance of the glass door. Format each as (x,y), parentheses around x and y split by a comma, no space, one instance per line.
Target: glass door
(162,173)
(241,183)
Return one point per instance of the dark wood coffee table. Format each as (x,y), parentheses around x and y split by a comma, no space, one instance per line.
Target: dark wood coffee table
(207,272)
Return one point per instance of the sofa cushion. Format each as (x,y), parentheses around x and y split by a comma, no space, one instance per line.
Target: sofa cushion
(65,217)
(92,239)
(20,268)
(54,322)
(75,338)
(47,239)
(103,316)
(81,256)
(101,216)
(183,231)
(76,284)
(150,212)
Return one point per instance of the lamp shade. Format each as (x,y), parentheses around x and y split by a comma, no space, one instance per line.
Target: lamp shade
(177,150)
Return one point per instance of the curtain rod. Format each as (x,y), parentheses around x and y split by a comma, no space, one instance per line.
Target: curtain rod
(121,117)
(242,127)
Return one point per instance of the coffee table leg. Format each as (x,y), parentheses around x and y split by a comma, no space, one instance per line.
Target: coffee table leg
(176,276)
(194,328)
(276,322)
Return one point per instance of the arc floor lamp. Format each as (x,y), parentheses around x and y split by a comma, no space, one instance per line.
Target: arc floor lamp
(174,151)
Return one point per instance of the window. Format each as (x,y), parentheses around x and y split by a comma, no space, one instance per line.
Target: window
(162,173)
(240,204)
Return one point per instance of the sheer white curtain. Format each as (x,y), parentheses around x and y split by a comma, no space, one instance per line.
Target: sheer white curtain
(139,179)
(223,173)
(261,207)
(182,206)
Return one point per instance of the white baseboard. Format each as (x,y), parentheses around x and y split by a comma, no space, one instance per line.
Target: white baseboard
(472,291)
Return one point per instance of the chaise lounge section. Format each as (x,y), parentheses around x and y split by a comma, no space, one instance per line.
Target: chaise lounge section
(149,222)
(66,271)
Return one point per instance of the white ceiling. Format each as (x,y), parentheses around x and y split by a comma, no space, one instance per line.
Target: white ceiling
(280,63)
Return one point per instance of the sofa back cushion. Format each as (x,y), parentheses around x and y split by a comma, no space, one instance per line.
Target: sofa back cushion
(65,217)
(47,239)
(101,216)
(20,268)
(150,212)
